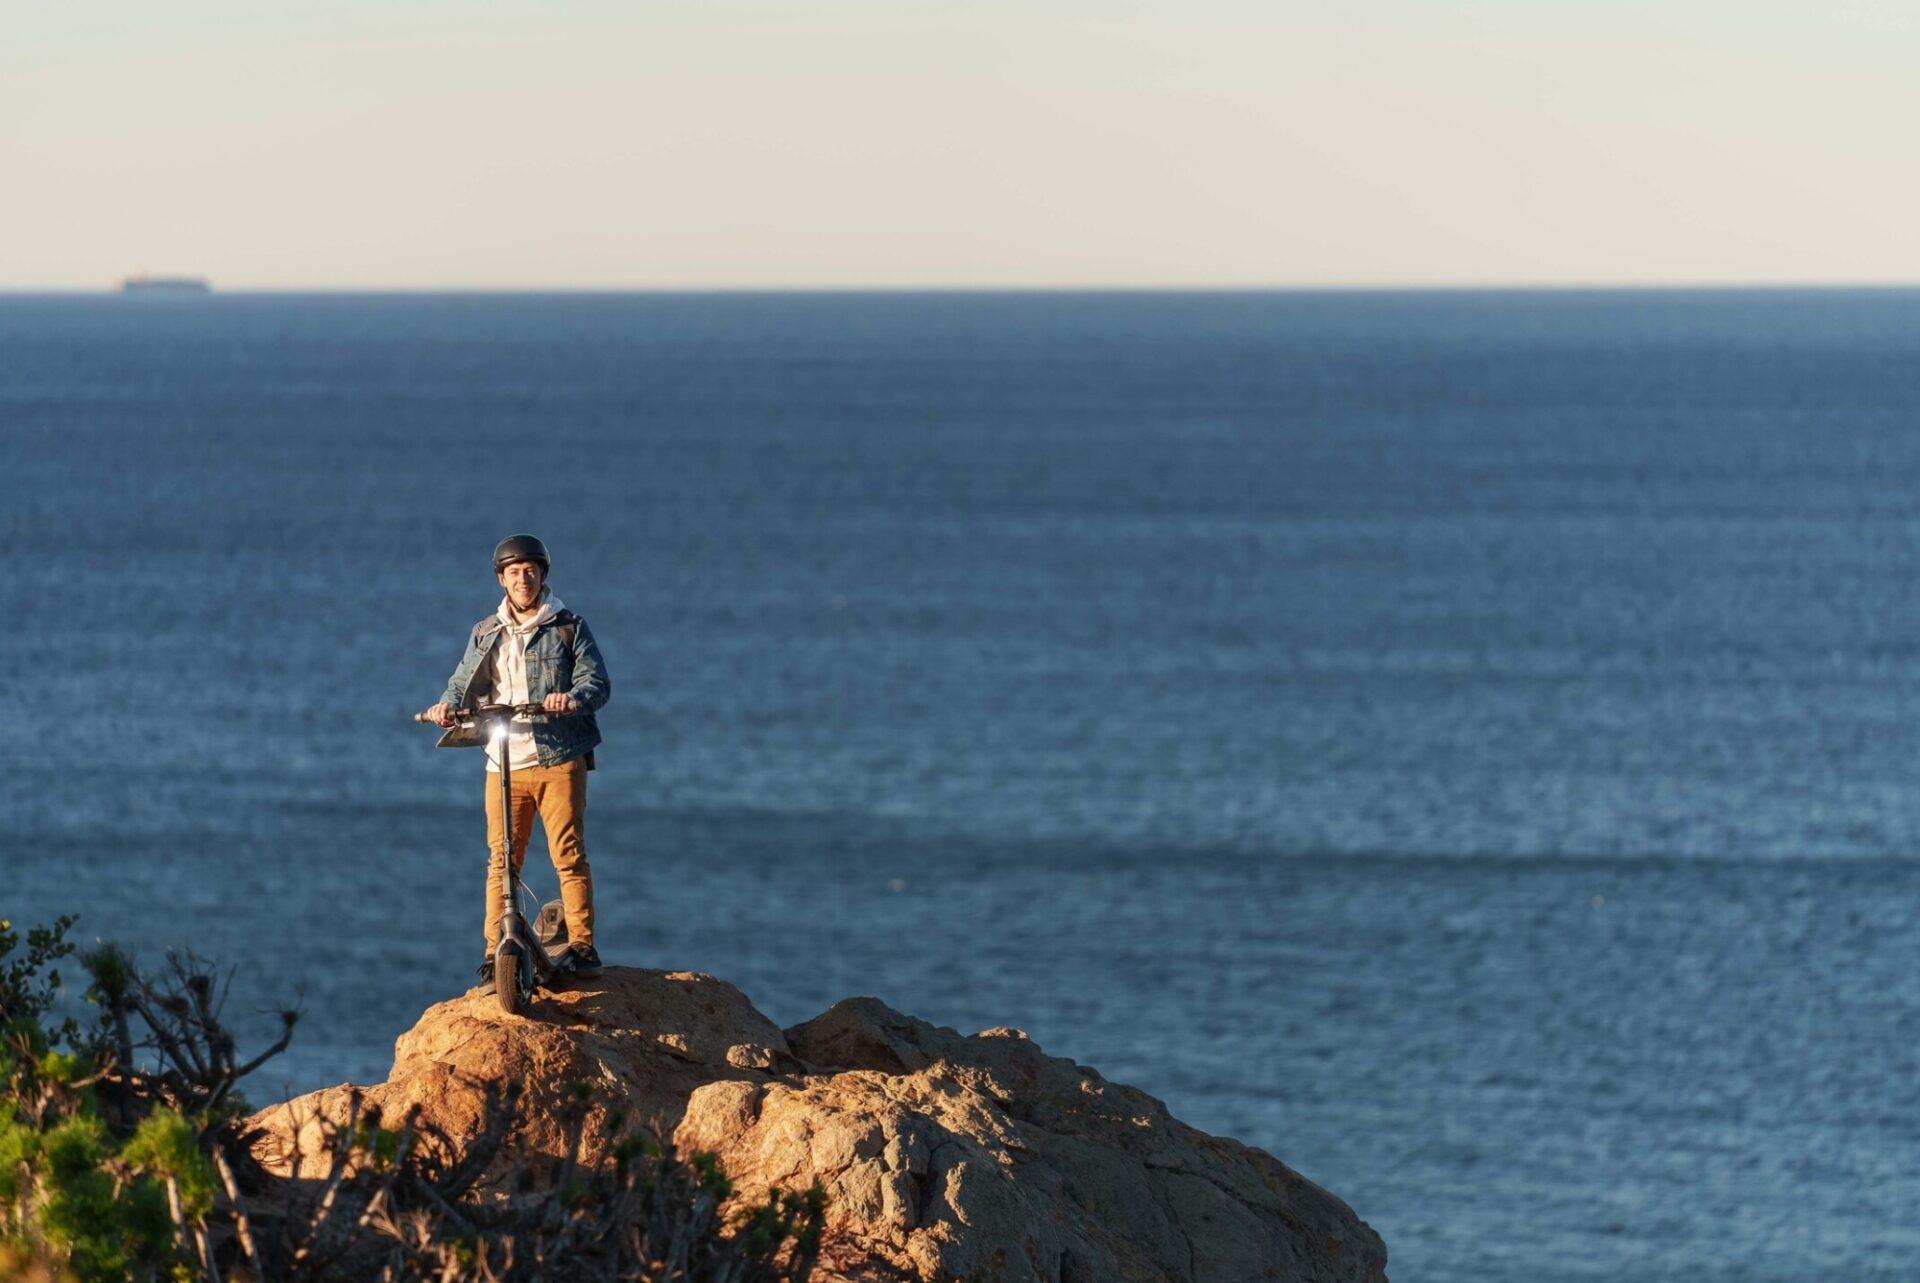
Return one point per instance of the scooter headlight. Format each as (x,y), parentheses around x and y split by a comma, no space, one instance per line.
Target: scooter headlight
(498,733)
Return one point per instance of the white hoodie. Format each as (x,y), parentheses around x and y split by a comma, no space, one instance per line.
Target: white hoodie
(510,678)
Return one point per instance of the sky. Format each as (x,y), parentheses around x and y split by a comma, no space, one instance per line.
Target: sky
(645,144)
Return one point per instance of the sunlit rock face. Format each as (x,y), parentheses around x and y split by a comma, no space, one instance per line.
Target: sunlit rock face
(943,1156)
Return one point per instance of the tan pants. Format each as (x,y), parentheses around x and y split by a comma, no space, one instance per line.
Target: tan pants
(559,794)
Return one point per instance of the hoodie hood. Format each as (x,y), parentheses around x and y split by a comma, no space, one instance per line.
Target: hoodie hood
(550,606)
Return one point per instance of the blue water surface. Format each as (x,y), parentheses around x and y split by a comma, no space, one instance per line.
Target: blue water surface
(1463,743)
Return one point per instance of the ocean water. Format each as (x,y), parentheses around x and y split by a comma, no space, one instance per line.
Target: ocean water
(1463,743)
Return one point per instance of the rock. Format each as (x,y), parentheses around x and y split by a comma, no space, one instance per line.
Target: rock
(944,1157)
(644,1039)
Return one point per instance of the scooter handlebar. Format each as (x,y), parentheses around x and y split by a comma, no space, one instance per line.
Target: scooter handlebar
(475,714)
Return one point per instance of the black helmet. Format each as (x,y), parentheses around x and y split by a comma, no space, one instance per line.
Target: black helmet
(520,548)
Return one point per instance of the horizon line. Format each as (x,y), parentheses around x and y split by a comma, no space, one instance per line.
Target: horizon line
(1358,287)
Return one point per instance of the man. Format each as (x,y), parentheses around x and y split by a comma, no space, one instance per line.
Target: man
(533,650)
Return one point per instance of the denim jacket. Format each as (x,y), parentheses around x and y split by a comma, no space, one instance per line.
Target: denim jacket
(552,665)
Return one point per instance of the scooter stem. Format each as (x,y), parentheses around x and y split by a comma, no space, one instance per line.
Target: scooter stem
(510,906)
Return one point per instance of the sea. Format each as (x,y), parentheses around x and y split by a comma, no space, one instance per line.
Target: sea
(1464,743)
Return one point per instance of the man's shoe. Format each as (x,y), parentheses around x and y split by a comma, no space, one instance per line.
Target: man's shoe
(486,971)
(582,962)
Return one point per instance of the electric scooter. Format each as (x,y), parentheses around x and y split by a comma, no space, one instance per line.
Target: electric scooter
(526,958)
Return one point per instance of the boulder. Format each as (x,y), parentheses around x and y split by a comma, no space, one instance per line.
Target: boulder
(944,1156)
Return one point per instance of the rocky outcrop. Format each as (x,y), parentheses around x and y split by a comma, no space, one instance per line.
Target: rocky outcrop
(944,1157)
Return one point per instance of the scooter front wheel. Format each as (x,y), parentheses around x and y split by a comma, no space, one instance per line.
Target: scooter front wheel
(508,983)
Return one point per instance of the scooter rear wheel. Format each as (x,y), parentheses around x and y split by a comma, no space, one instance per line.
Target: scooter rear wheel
(507,982)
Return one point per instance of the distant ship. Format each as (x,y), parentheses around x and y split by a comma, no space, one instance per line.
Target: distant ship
(144,284)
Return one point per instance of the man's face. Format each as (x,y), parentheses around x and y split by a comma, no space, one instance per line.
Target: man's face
(523,581)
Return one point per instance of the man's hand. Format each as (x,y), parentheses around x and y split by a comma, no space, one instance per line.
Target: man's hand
(441,715)
(558,702)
